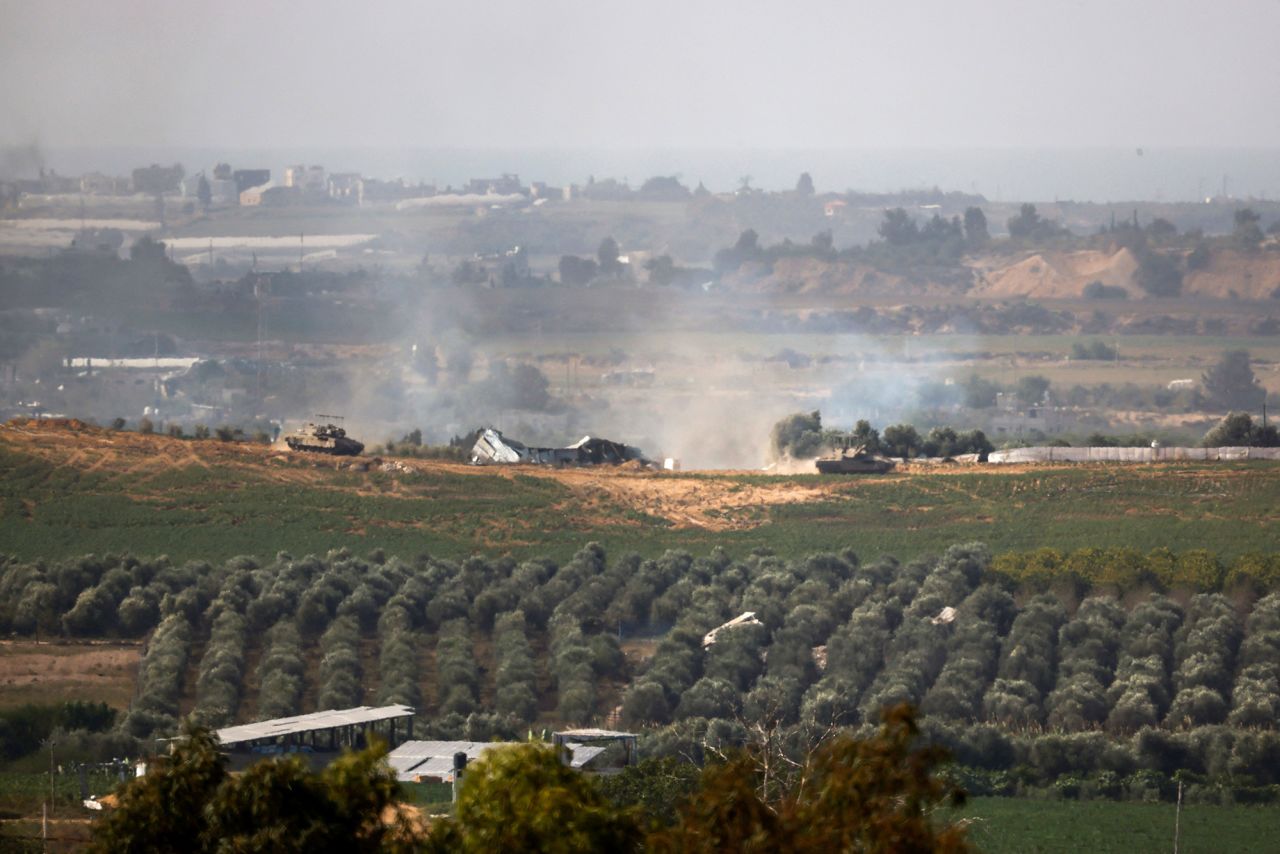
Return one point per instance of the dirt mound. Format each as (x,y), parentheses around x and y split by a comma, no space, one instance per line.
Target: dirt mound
(1230,272)
(74,424)
(1055,275)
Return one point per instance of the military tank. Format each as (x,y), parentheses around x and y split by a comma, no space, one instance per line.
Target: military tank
(324,439)
(854,460)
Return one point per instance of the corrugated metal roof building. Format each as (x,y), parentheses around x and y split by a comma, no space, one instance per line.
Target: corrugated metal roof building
(415,761)
(327,730)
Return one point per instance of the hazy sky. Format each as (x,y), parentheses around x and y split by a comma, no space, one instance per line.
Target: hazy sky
(724,73)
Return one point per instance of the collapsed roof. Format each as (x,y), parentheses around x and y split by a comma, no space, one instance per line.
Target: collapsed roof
(493,448)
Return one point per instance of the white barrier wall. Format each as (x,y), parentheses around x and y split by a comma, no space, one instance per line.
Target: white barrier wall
(1130,455)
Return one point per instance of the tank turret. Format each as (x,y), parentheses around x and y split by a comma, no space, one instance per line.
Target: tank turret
(324,438)
(854,460)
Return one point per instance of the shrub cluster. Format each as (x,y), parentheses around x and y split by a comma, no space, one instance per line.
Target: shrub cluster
(22,728)
(1256,697)
(1141,692)
(89,596)
(340,671)
(222,670)
(457,676)
(1204,656)
(1124,569)
(516,679)
(1087,650)
(1026,671)
(281,672)
(398,640)
(984,617)
(918,649)
(160,678)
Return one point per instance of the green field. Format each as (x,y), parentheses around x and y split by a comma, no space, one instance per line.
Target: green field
(1030,826)
(53,507)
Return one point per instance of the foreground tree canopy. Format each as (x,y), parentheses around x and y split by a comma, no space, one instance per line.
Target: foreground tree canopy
(188,803)
(877,794)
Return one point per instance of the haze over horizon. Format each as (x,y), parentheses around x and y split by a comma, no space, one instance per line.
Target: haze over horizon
(714,75)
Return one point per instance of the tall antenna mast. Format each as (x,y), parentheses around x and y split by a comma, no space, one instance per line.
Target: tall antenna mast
(258,289)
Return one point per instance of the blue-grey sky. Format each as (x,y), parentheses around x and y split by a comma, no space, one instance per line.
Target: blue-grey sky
(716,74)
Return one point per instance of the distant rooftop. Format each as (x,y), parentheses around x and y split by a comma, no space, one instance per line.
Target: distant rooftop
(593,733)
(415,759)
(328,719)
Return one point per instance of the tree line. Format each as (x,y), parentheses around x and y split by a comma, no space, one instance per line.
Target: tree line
(1129,649)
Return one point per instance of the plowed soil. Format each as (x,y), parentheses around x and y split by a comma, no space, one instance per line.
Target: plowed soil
(50,672)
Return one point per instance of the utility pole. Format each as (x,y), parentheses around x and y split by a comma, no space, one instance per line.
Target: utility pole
(259,290)
(48,806)
(1177,820)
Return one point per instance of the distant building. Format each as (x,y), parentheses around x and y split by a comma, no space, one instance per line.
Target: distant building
(97,184)
(1015,418)
(374,190)
(97,240)
(279,197)
(252,197)
(606,189)
(543,190)
(507,185)
(306,179)
(190,185)
(223,191)
(346,187)
(247,178)
(834,208)
(157,180)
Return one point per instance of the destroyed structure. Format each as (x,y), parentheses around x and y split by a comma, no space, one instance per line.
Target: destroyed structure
(493,448)
(746,618)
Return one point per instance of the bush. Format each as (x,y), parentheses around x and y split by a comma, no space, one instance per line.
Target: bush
(221,674)
(340,673)
(797,436)
(281,672)
(155,709)
(1097,290)
(1238,429)
(457,676)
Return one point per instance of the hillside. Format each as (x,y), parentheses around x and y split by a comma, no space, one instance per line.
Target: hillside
(1035,274)
(68,489)
(294,584)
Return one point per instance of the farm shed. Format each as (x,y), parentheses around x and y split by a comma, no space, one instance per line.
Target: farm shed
(419,761)
(416,761)
(583,745)
(319,732)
